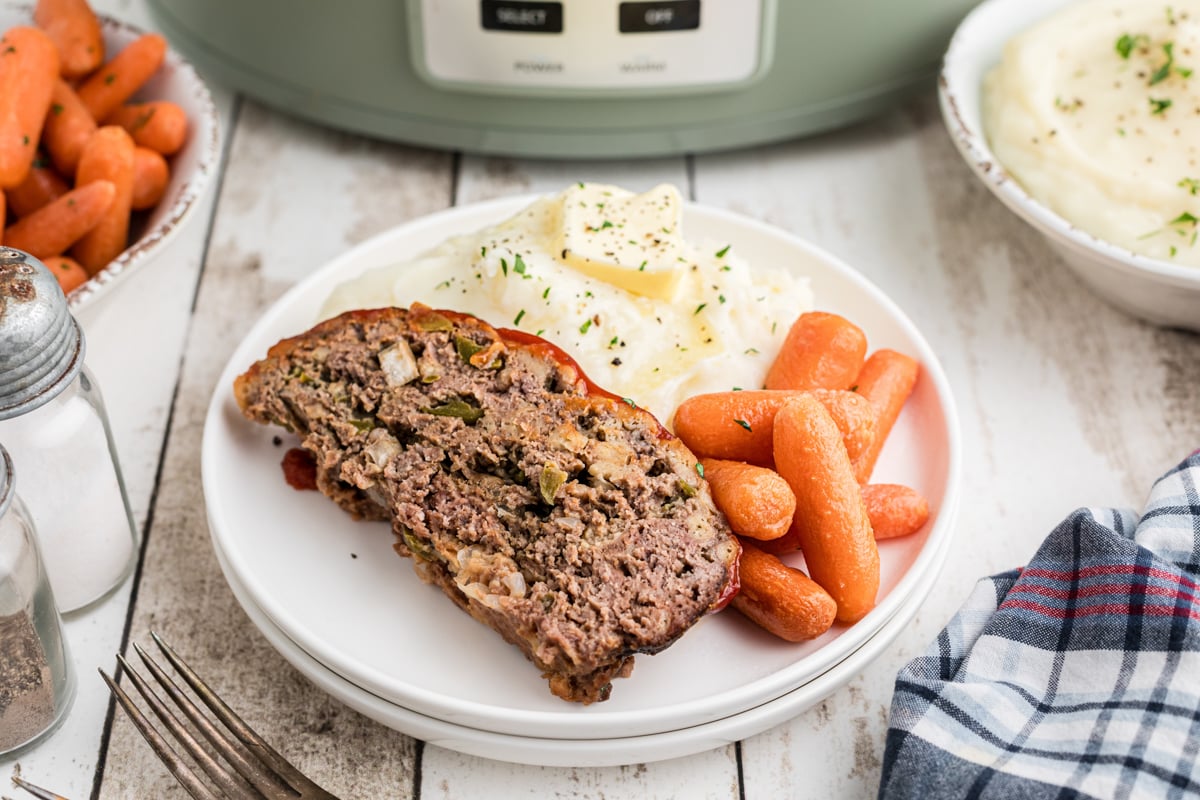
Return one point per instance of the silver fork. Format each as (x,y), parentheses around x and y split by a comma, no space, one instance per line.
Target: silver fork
(258,770)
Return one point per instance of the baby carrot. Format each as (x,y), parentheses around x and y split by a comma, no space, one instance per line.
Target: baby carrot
(68,272)
(75,31)
(158,124)
(28,70)
(821,351)
(107,156)
(886,380)
(781,599)
(69,125)
(116,81)
(41,185)
(738,425)
(894,510)
(831,518)
(150,176)
(54,227)
(756,501)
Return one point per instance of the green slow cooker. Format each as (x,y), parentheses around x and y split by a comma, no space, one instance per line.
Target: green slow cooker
(569,78)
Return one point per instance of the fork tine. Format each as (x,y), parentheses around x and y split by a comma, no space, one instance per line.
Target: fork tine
(194,786)
(214,769)
(234,723)
(255,772)
(36,791)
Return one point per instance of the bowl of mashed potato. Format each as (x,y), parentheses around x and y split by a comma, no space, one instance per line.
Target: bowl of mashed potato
(1083,117)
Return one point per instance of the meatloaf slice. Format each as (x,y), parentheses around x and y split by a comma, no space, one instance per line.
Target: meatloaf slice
(564,518)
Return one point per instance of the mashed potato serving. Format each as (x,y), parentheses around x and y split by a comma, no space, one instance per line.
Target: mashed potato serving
(1096,112)
(607,275)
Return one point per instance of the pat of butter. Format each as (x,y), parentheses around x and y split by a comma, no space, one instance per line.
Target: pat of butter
(629,240)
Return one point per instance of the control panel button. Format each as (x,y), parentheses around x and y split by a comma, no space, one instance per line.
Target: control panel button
(526,17)
(664,15)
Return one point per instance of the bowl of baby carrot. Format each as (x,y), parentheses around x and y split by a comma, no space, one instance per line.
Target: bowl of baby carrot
(107,141)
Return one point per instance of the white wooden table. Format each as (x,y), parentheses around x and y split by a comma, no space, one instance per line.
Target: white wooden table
(1064,402)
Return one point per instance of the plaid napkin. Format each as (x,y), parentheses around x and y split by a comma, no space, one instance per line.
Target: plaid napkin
(1077,676)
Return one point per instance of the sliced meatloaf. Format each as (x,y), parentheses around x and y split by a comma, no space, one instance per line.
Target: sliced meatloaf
(562,516)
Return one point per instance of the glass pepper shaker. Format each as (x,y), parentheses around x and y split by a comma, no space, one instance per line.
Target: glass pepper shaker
(53,422)
(37,681)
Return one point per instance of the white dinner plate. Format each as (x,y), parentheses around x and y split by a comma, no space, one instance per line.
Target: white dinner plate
(615,751)
(336,588)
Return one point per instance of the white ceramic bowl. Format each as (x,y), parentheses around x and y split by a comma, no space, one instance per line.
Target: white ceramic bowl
(1158,291)
(191,168)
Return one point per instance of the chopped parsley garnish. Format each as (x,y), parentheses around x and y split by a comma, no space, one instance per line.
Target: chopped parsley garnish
(1159,105)
(721,253)
(520,314)
(1191,184)
(587,323)
(519,264)
(443,285)
(1186,218)
(642,267)
(751,351)
(699,469)
(504,266)
(605,224)
(1127,44)
(699,308)
(1164,72)
(629,400)
(546,293)
(744,424)
(721,297)
(613,341)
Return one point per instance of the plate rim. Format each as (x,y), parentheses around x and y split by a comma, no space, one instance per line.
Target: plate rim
(596,718)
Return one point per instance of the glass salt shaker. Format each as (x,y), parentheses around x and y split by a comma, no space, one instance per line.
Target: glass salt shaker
(53,422)
(37,681)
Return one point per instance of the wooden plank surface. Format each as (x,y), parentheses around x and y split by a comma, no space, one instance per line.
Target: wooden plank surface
(1063,402)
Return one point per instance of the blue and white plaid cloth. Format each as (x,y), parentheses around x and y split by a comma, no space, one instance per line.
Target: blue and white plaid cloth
(1077,676)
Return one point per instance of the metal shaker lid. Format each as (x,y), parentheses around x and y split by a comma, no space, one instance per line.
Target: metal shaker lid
(41,345)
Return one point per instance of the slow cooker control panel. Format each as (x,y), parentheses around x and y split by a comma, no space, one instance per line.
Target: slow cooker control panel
(540,45)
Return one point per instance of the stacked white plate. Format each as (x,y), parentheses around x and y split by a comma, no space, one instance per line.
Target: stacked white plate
(335,600)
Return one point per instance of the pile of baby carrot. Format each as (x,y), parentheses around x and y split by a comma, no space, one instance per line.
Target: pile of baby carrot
(77,158)
(790,467)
